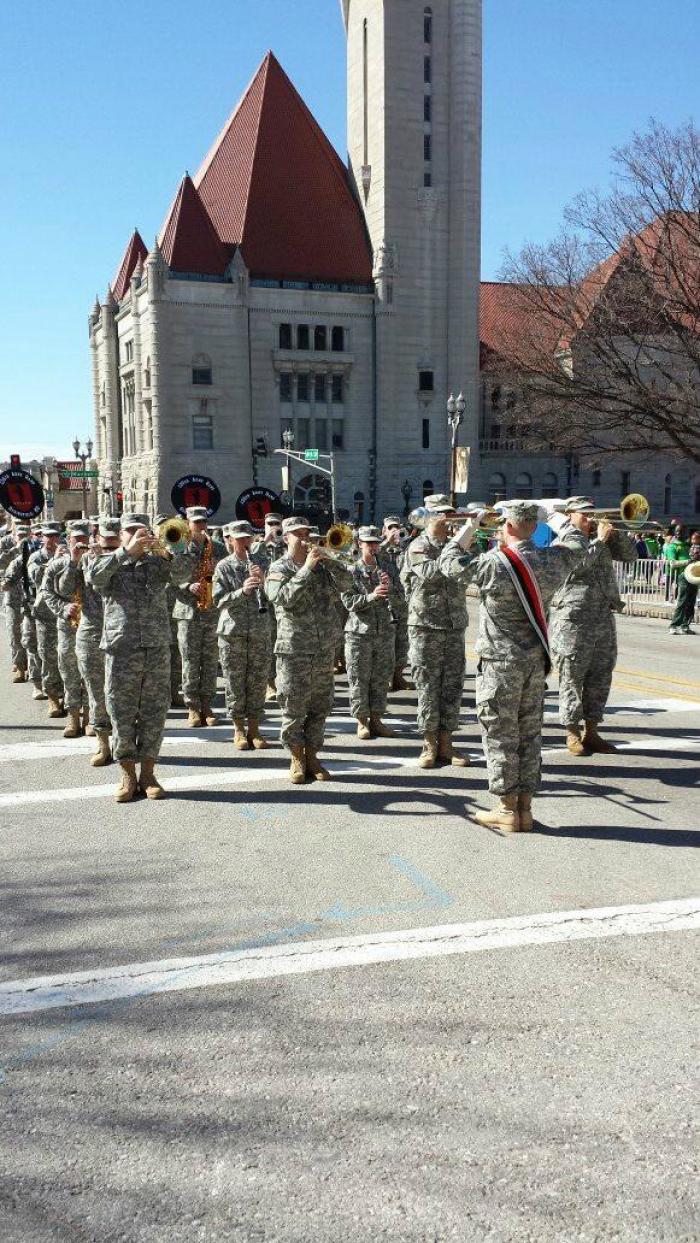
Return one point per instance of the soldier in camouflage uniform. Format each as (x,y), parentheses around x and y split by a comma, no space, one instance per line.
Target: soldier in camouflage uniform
(268,549)
(392,551)
(66,610)
(10,551)
(303,587)
(512,664)
(176,696)
(17,579)
(196,627)
(73,584)
(583,631)
(244,635)
(136,641)
(369,635)
(46,630)
(437,622)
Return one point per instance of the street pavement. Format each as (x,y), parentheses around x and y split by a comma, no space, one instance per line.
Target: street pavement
(342,1012)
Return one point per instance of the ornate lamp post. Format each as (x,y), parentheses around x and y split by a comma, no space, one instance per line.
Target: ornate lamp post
(83,457)
(407,493)
(455,413)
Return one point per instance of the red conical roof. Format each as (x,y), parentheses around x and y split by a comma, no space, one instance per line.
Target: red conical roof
(273,185)
(135,250)
(188,240)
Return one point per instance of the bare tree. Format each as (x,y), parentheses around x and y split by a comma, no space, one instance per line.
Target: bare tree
(604,344)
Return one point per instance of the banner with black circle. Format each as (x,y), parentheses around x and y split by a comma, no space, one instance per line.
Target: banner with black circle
(193,490)
(253,505)
(20,493)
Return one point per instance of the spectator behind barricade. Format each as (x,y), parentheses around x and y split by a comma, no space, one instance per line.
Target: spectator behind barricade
(687,591)
(641,545)
(654,545)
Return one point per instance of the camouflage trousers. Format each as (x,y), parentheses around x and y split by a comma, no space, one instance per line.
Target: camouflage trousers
(245,663)
(509,708)
(31,647)
(13,621)
(272,675)
(199,649)
(47,644)
(137,693)
(175,662)
(68,669)
(91,663)
(305,695)
(437,666)
(401,641)
(585,657)
(369,660)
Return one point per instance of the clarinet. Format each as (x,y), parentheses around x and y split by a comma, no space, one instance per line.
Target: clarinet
(259,591)
(376,572)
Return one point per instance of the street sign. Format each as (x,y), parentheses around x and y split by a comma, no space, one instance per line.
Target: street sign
(192,490)
(78,474)
(21,494)
(253,504)
(310,455)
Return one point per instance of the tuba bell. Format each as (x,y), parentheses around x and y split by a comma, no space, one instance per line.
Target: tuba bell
(339,537)
(633,512)
(691,573)
(172,532)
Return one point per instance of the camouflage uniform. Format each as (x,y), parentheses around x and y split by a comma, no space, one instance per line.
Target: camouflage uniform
(89,655)
(369,639)
(583,632)
(65,633)
(245,642)
(196,629)
(268,551)
(511,669)
(136,642)
(175,657)
(17,578)
(46,629)
(396,557)
(437,622)
(12,593)
(305,604)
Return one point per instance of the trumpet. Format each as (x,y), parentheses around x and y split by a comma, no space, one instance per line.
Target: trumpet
(339,537)
(172,532)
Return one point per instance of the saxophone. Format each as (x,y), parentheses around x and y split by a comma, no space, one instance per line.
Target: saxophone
(206,575)
(77,601)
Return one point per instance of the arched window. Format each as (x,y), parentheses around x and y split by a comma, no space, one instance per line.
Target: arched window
(523,485)
(359,500)
(497,487)
(668,494)
(312,492)
(550,485)
(427,487)
(201,369)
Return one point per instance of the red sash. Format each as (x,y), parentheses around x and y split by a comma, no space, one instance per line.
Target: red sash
(528,591)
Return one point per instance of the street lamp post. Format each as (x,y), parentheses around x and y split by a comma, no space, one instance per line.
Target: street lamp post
(83,457)
(455,413)
(407,493)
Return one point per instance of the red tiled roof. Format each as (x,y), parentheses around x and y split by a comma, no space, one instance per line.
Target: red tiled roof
(508,327)
(189,241)
(135,250)
(273,185)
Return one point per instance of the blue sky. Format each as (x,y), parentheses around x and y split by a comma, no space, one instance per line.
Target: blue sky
(103,106)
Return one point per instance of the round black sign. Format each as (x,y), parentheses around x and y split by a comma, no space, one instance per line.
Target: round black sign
(195,490)
(255,503)
(20,493)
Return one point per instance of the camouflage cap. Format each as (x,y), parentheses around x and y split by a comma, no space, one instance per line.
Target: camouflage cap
(80,526)
(392,520)
(197,513)
(520,512)
(438,504)
(109,527)
(290,525)
(129,522)
(239,530)
(370,535)
(50,528)
(578,505)
(272,518)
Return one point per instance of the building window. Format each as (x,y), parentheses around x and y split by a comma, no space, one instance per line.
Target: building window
(202,431)
(286,386)
(301,439)
(596,477)
(550,485)
(427,147)
(303,337)
(523,486)
(320,388)
(427,25)
(497,487)
(149,424)
(338,389)
(201,375)
(495,431)
(427,179)
(625,486)
(147,374)
(338,434)
(303,388)
(426,433)
(426,382)
(427,108)
(286,425)
(496,397)
(428,488)
(320,335)
(103,396)
(128,351)
(338,340)
(285,336)
(668,494)
(321,434)
(427,69)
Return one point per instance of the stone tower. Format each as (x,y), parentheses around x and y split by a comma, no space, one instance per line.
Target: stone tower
(414,141)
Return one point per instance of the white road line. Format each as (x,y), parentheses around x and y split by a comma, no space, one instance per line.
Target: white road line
(268,962)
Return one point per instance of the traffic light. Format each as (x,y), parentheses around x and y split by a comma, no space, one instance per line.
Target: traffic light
(15,461)
(261,446)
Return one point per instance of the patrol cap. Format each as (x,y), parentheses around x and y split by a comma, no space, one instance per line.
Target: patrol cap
(578,505)
(520,512)
(50,528)
(239,530)
(129,522)
(438,503)
(392,520)
(294,524)
(196,513)
(79,527)
(370,535)
(109,527)
(271,519)
(22,529)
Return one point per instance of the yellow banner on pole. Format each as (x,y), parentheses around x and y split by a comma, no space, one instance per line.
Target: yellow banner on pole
(462,453)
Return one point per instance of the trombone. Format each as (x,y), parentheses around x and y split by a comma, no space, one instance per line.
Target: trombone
(490,519)
(171,533)
(632,514)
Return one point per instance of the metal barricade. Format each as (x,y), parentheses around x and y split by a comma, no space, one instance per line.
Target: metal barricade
(648,587)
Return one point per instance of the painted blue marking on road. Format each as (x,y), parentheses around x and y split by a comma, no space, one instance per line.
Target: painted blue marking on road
(429,887)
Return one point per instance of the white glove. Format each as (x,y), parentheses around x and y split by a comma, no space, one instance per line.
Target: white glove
(465,535)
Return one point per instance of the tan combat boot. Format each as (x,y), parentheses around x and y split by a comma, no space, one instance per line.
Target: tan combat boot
(55,707)
(209,716)
(428,755)
(240,740)
(87,727)
(74,726)
(593,741)
(379,729)
(314,767)
(297,766)
(194,719)
(148,782)
(38,692)
(446,754)
(128,786)
(363,730)
(398,682)
(102,755)
(18,675)
(505,816)
(255,738)
(574,742)
(525,812)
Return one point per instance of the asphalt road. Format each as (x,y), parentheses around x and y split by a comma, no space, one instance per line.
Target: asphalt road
(531,1088)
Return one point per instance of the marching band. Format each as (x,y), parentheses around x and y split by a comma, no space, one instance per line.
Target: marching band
(112,622)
